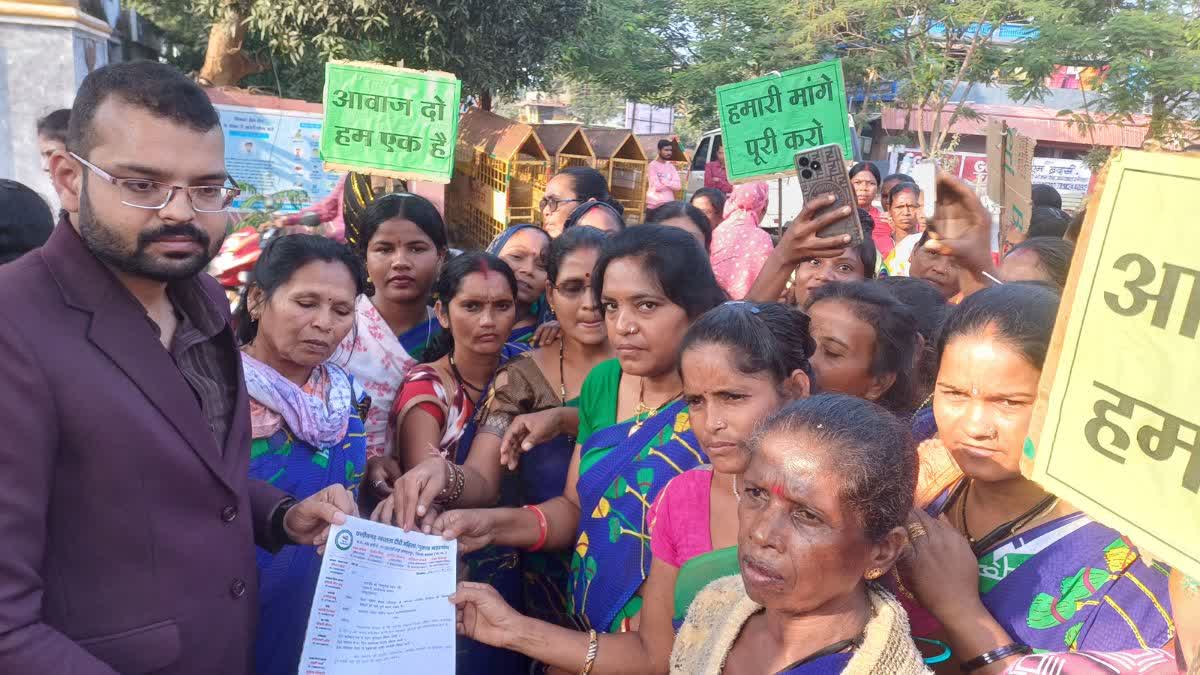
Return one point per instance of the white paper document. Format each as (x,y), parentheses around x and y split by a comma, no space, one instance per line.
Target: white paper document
(380,605)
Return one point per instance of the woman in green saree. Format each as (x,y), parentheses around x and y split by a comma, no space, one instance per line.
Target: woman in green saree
(634,433)
(740,363)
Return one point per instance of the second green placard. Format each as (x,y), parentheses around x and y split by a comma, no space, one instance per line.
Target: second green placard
(767,120)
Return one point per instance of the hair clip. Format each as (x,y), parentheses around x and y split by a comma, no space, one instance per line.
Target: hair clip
(753,307)
(396,194)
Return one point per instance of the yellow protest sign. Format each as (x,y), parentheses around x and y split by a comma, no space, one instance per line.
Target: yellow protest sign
(1121,432)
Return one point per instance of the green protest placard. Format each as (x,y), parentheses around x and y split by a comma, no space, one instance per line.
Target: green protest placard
(389,121)
(766,121)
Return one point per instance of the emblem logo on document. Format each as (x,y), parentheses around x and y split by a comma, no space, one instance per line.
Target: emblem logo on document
(344,540)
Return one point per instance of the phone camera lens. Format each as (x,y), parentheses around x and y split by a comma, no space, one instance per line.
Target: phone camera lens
(803,161)
(806,174)
(816,166)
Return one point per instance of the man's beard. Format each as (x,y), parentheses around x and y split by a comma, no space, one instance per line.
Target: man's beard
(104,243)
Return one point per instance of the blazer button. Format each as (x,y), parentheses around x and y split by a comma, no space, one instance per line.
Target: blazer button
(228,514)
(238,588)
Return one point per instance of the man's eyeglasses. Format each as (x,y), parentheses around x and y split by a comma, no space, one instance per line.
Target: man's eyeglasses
(554,203)
(142,193)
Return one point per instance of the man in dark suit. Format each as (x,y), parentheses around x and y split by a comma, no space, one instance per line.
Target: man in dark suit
(127,519)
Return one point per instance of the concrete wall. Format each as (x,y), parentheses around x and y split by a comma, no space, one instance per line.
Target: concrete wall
(40,68)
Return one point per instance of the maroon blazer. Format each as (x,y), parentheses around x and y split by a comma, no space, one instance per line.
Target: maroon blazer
(126,534)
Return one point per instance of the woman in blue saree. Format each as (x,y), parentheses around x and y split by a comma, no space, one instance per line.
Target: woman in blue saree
(634,433)
(1009,568)
(305,419)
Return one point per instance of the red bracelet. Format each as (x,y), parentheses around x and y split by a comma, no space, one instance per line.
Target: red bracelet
(543,528)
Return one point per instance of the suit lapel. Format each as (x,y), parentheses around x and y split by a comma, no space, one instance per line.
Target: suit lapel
(131,344)
(121,329)
(239,426)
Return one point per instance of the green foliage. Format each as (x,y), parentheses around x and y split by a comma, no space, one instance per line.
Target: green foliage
(499,47)
(628,47)
(934,48)
(1150,48)
(678,51)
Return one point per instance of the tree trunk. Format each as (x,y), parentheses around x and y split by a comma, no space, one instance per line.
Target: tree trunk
(485,99)
(1158,119)
(225,64)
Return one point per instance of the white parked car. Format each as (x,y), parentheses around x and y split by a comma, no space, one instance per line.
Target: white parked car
(785,202)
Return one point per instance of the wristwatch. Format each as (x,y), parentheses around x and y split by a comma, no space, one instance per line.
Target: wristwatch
(278,531)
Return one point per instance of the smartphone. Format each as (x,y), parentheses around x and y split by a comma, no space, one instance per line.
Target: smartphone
(821,172)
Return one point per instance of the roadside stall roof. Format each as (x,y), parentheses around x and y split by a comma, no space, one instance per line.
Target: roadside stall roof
(1040,124)
(498,136)
(561,139)
(610,143)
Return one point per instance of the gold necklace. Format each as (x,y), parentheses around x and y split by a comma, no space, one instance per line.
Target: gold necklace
(643,412)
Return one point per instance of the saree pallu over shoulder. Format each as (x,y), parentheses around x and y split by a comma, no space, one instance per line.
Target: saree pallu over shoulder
(1074,584)
(423,385)
(612,554)
(379,360)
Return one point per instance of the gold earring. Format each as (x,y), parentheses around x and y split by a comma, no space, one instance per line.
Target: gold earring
(874,573)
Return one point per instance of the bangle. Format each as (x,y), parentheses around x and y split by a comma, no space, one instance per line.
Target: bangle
(998,654)
(460,483)
(543,528)
(593,649)
(944,656)
(456,480)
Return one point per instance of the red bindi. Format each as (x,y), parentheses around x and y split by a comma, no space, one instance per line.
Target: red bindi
(777,490)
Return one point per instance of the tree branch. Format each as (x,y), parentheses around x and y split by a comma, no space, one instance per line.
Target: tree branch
(976,42)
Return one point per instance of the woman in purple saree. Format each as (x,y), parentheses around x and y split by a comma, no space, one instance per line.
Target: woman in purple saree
(1004,568)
